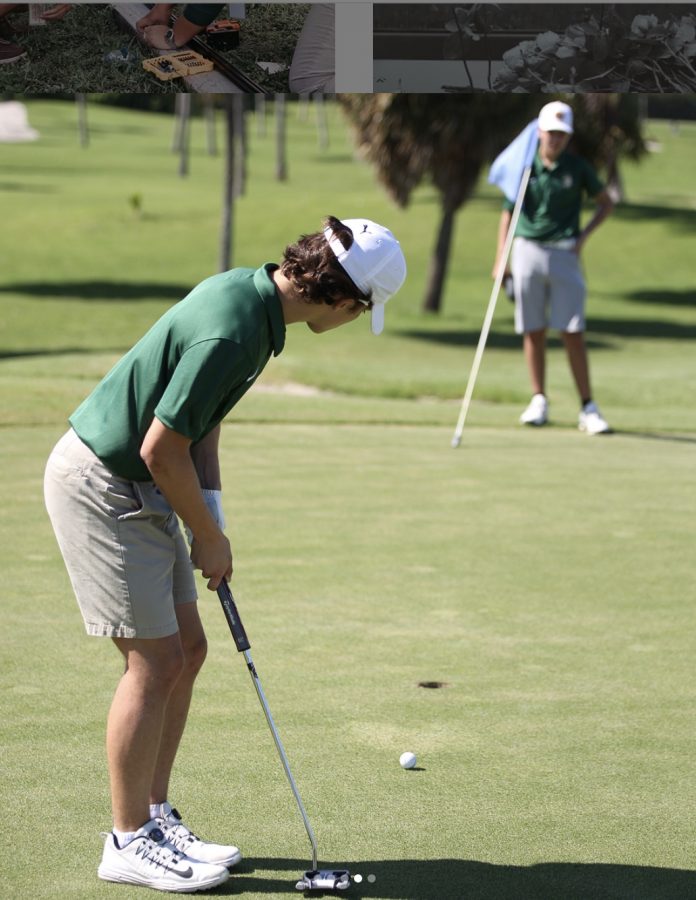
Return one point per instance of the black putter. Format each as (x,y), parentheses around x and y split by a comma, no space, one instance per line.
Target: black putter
(313,879)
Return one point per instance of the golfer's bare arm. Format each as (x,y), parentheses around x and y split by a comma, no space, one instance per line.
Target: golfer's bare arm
(204,454)
(604,207)
(167,454)
(503,227)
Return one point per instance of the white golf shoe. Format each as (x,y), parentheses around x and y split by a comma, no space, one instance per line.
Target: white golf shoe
(149,860)
(188,843)
(537,413)
(591,421)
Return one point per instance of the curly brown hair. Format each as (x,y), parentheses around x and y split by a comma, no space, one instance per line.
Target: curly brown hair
(316,274)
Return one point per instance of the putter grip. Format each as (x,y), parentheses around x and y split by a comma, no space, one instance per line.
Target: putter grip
(229,607)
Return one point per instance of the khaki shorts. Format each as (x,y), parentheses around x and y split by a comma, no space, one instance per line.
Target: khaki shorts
(549,287)
(124,551)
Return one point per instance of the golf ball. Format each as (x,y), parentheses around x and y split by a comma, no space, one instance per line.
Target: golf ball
(407,760)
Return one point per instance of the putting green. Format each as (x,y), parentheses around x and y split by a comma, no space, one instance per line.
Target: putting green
(544,577)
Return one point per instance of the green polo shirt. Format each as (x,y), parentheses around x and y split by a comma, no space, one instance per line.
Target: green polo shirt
(189,370)
(553,200)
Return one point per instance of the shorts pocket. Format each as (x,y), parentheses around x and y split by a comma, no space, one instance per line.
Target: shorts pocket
(121,498)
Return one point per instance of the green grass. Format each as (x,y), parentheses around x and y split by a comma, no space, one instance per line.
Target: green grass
(545,577)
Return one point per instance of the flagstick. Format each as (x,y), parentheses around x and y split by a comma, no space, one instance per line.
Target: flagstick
(457,439)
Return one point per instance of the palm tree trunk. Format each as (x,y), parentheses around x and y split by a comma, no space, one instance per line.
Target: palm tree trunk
(228,192)
(322,123)
(81,102)
(240,160)
(615,185)
(260,114)
(210,129)
(185,126)
(281,156)
(176,134)
(439,261)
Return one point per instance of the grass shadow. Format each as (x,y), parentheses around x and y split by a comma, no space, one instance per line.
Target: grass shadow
(454,879)
(497,339)
(15,186)
(98,290)
(679,217)
(642,328)
(686,297)
(58,351)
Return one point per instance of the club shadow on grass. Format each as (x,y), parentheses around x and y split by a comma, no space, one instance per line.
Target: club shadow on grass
(98,290)
(463,879)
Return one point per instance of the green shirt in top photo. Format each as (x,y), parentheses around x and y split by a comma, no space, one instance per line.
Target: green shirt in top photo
(553,200)
(189,370)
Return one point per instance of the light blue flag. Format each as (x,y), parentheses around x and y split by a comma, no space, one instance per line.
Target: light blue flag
(508,167)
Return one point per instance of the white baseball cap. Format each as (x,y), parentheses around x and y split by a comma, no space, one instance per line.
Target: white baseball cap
(374,262)
(556,116)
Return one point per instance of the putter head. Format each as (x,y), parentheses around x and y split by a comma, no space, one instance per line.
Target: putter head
(324,880)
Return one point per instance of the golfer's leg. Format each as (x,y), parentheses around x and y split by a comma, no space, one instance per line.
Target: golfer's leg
(313,63)
(577,357)
(194,648)
(535,353)
(529,277)
(136,721)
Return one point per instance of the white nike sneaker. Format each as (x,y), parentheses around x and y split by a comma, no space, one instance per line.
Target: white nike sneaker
(591,421)
(537,413)
(151,861)
(192,846)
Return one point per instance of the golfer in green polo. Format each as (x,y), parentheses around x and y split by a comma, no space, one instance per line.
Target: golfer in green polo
(141,452)
(547,276)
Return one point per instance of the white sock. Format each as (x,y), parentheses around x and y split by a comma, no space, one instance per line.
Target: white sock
(123,838)
(160,810)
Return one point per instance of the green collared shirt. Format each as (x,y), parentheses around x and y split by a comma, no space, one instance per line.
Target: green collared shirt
(189,370)
(553,200)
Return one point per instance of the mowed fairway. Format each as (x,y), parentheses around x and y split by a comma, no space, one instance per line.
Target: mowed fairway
(546,579)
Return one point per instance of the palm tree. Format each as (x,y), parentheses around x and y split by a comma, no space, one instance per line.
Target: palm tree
(443,138)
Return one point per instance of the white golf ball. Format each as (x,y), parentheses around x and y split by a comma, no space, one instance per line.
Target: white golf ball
(407,760)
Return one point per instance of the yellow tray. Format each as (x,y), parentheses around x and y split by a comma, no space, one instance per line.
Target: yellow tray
(176,65)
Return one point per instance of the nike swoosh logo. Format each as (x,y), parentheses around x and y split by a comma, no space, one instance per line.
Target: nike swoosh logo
(188,873)
(254,374)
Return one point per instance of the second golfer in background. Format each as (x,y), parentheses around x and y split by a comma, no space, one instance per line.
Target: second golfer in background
(548,281)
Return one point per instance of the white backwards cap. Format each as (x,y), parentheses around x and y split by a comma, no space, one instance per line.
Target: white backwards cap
(374,262)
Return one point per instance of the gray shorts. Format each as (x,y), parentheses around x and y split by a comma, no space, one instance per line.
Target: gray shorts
(549,287)
(124,551)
